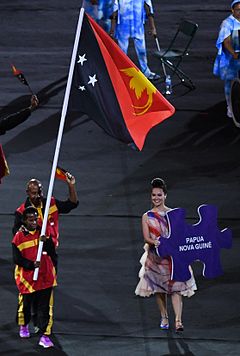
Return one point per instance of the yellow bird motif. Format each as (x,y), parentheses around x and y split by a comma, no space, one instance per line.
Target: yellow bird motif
(139,83)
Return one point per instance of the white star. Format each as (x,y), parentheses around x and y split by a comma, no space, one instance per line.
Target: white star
(82,87)
(82,59)
(92,79)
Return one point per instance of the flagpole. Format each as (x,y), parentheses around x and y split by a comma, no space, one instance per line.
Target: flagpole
(59,138)
(30,89)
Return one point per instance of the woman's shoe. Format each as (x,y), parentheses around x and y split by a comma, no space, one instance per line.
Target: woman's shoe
(178,326)
(163,324)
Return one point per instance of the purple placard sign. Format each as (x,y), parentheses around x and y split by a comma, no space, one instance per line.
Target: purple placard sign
(188,243)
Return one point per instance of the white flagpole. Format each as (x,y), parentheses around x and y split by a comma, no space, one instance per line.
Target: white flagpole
(59,138)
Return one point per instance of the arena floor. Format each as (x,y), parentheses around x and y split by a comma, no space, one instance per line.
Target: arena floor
(197,151)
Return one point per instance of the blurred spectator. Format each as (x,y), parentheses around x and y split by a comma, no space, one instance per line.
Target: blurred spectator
(227,63)
(127,21)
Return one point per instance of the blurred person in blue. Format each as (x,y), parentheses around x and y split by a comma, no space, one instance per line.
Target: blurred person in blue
(227,62)
(91,8)
(127,21)
(100,11)
(104,12)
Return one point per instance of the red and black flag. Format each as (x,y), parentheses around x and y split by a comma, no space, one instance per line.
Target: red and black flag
(18,74)
(61,173)
(4,170)
(111,90)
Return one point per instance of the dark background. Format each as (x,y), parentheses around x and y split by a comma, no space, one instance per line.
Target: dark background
(196,152)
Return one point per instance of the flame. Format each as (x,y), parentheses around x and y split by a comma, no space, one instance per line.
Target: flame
(139,83)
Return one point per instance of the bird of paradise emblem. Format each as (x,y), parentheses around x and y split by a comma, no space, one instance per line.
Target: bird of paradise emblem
(139,83)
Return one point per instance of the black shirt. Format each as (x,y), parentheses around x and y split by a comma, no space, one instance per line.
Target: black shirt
(21,261)
(9,122)
(64,207)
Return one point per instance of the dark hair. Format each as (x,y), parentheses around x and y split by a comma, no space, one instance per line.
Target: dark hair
(159,183)
(30,210)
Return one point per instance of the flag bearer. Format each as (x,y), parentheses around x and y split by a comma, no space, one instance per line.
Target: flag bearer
(24,247)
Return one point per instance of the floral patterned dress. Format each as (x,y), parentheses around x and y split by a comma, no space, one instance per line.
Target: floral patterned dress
(156,271)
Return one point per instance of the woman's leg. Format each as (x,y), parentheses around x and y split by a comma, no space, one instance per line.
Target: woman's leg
(162,305)
(177,307)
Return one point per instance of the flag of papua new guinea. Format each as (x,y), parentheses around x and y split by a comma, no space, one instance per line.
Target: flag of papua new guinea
(111,90)
(60,173)
(17,73)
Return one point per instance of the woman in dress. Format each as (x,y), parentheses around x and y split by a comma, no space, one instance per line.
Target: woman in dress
(156,271)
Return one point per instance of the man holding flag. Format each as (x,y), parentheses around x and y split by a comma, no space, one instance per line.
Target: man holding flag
(24,248)
(36,199)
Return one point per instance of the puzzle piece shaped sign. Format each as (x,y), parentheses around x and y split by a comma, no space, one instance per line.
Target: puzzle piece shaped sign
(188,243)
